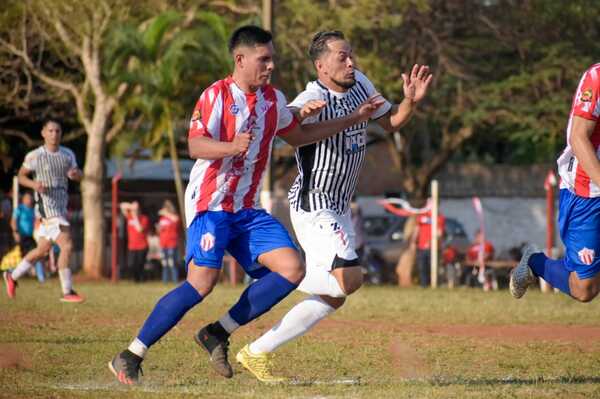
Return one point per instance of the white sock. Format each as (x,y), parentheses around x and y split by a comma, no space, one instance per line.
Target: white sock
(295,323)
(21,269)
(136,346)
(319,281)
(228,323)
(65,280)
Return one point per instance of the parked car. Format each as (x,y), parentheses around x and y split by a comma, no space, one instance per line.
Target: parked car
(385,241)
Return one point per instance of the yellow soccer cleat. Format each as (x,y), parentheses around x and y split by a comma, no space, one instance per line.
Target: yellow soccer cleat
(259,365)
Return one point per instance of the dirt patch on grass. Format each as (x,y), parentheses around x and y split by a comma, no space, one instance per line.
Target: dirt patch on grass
(10,357)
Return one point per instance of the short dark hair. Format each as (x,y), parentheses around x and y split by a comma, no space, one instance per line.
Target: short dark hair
(250,36)
(51,120)
(318,45)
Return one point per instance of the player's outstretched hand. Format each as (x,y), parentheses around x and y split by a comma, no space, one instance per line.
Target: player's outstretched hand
(311,108)
(415,86)
(366,109)
(241,142)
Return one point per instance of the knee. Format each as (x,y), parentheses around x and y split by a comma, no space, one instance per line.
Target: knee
(584,295)
(203,279)
(204,287)
(66,246)
(293,270)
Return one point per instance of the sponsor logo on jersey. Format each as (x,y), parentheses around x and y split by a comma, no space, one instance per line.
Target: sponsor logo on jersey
(586,256)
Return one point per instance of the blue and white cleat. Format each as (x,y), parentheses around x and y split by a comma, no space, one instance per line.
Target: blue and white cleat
(522,276)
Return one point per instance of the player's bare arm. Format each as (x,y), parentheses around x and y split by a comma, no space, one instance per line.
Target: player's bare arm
(582,147)
(207,148)
(28,182)
(312,133)
(415,88)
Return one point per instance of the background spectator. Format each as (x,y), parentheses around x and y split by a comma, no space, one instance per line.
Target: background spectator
(137,238)
(168,230)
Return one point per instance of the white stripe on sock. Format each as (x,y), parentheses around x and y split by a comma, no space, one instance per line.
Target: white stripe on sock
(228,323)
(21,269)
(136,346)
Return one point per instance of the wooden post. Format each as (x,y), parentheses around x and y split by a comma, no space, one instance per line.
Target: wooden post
(15,198)
(549,185)
(434,232)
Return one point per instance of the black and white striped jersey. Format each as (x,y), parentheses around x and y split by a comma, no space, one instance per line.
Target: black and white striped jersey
(51,169)
(328,170)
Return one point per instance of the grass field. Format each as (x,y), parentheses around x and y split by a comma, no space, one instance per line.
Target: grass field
(386,342)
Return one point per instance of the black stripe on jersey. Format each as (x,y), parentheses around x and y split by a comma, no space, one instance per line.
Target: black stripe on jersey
(306,156)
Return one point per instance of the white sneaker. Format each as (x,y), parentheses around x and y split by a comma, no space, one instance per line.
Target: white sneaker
(521,277)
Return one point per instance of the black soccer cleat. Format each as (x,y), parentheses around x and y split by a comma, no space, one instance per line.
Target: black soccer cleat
(126,366)
(217,348)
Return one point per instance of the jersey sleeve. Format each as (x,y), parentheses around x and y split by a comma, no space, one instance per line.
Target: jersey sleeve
(304,97)
(206,118)
(30,161)
(286,121)
(72,159)
(586,103)
(366,84)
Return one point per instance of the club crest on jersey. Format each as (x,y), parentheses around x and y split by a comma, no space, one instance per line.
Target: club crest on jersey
(586,96)
(207,242)
(234,109)
(586,256)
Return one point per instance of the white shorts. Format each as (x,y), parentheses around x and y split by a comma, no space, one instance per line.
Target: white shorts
(328,239)
(50,228)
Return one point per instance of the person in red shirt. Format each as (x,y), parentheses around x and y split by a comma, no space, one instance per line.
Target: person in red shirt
(423,238)
(137,238)
(473,254)
(168,232)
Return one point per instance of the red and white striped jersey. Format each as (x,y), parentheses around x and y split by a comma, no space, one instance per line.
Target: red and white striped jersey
(224,110)
(586,104)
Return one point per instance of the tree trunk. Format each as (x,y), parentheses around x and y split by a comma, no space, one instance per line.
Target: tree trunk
(94,244)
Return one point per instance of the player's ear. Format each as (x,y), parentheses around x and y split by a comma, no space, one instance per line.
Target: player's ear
(238,59)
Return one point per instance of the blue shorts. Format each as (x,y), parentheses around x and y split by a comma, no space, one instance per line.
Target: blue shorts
(245,234)
(579,223)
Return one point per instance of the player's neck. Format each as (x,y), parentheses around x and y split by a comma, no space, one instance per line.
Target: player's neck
(331,85)
(243,85)
(50,147)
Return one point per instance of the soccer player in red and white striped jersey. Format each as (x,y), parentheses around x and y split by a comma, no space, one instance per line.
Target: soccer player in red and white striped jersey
(577,274)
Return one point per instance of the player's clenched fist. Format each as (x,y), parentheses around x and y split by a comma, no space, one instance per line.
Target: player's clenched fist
(240,143)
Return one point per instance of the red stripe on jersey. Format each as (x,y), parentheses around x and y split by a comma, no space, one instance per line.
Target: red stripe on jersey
(289,127)
(209,180)
(238,162)
(203,111)
(582,182)
(265,146)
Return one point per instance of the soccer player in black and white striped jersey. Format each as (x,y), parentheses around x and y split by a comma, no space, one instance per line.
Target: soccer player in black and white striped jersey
(320,196)
(52,166)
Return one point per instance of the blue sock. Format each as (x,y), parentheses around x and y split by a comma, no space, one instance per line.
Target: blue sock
(261,296)
(552,270)
(167,312)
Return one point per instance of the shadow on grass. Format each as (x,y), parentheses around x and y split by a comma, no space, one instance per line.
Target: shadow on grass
(515,381)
